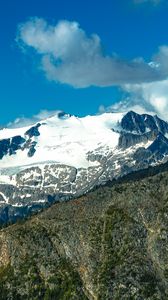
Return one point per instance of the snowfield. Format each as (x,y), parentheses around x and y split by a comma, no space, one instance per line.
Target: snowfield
(65,140)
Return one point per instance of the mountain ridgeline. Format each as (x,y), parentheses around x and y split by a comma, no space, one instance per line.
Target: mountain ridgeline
(63,157)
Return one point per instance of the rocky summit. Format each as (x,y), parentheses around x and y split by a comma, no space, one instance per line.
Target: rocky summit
(110,244)
(64,156)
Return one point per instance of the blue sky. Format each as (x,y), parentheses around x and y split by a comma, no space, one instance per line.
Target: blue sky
(127,30)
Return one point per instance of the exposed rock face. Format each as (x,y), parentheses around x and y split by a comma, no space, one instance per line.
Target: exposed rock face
(160,145)
(10,146)
(127,139)
(33,131)
(109,244)
(134,122)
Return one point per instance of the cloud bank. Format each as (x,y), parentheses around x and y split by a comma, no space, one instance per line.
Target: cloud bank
(71,57)
(23,121)
(149,98)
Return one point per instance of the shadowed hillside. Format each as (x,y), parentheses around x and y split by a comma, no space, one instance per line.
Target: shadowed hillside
(109,244)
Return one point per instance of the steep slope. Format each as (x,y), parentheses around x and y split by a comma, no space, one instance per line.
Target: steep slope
(109,244)
(64,156)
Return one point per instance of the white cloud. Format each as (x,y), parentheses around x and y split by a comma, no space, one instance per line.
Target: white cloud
(130,103)
(69,56)
(153,95)
(149,98)
(23,121)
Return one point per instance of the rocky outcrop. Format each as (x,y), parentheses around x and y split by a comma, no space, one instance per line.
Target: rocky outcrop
(140,124)
(159,146)
(127,139)
(10,146)
(33,131)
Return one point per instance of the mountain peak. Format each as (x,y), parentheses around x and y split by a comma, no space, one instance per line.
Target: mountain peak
(140,124)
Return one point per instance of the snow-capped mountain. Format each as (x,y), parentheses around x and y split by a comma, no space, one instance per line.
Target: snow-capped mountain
(64,156)
(59,139)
